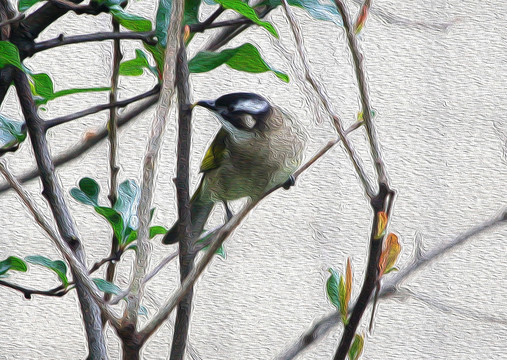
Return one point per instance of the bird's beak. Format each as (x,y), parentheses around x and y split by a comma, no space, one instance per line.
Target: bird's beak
(208,104)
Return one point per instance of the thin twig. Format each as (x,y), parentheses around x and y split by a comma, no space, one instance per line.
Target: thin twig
(147,37)
(112,127)
(204,25)
(363,91)
(296,30)
(229,32)
(27,293)
(93,110)
(390,287)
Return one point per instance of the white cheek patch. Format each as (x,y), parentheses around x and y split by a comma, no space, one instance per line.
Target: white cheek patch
(248,121)
(251,106)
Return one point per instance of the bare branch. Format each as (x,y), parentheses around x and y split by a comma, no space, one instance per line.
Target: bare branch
(147,37)
(296,30)
(112,127)
(186,251)
(69,243)
(15,19)
(27,293)
(93,110)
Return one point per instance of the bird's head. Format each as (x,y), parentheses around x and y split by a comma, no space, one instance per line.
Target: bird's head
(244,111)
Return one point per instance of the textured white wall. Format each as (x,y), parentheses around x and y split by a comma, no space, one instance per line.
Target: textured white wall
(440,101)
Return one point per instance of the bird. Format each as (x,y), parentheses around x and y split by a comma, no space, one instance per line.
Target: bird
(259,146)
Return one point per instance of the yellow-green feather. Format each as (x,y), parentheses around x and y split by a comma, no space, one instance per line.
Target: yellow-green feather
(216,152)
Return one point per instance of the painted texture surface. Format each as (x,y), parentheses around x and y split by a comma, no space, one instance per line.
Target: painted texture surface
(440,105)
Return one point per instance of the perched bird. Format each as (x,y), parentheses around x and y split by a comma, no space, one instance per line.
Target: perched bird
(258,147)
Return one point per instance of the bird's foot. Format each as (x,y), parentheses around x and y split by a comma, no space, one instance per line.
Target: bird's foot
(291,181)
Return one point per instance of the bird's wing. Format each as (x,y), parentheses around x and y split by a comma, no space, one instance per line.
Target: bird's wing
(215,153)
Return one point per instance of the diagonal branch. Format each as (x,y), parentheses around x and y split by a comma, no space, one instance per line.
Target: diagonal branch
(48,124)
(79,272)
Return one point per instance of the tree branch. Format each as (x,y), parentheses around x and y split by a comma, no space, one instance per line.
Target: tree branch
(71,246)
(48,124)
(229,32)
(15,19)
(147,37)
(186,251)
(27,293)
(112,127)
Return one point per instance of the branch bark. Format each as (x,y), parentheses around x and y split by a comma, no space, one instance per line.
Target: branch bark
(186,249)
(53,193)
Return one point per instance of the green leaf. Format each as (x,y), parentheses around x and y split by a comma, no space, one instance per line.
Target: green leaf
(130,236)
(244,58)
(356,348)
(57,266)
(12,263)
(332,289)
(9,55)
(26,4)
(157,51)
(130,21)
(87,193)
(127,202)
(157,230)
(12,133)
(107,287)
(132,247)
(43,88)
(319,11)
(136,66)
(90,188)
(247,11)
(114,218)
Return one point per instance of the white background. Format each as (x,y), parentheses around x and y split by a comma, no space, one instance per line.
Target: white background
(440,105)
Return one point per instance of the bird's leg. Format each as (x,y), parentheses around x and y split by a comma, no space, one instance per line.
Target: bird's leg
(291,181)
(228,211)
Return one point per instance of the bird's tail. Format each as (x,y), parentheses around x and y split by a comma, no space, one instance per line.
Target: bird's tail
(200,209)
